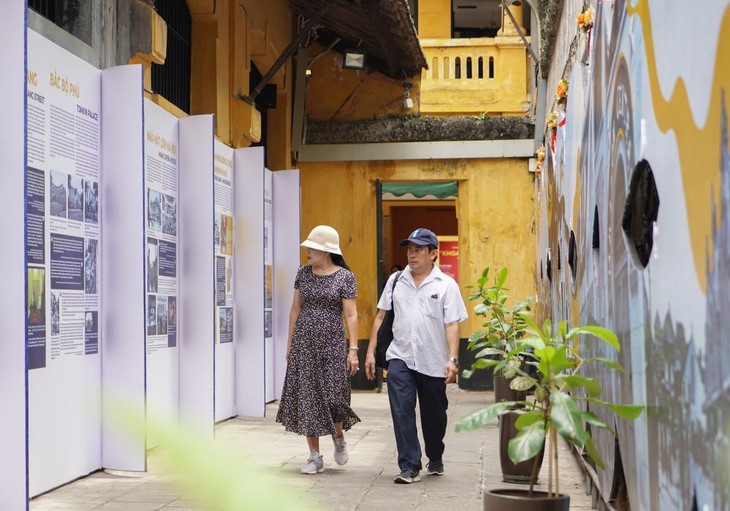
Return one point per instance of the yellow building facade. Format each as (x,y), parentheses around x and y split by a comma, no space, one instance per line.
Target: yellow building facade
(494,208)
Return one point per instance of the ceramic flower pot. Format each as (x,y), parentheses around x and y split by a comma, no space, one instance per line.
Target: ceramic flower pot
(510,500)
(520,473)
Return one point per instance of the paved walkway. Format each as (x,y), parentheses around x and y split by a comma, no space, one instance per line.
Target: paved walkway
(256,463)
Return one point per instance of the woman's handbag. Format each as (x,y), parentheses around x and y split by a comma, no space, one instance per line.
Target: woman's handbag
(385,332)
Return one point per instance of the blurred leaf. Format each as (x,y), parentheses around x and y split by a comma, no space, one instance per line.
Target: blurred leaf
(629,412)
(595,421)
(502,277)
(528,418)
(481,417)
(209,474)
(593,388)
(566,418)
(611,364)
(528,442)
(522,383)
(593,453)
(600,332)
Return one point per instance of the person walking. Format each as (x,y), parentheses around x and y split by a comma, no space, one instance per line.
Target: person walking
(315,399)
(423,356)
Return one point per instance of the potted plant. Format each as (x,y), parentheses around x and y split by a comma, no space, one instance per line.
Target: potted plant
(554,409)
(497,348)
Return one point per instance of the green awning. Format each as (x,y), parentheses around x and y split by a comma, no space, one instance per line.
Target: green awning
(446,190)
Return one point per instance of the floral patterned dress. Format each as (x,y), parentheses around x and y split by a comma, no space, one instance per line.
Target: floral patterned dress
(316,392)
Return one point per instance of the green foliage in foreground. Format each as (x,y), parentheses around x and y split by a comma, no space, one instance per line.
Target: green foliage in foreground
(205,473)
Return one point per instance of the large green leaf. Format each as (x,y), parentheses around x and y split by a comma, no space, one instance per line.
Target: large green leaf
(629,412)
(528,418)
(502,277)
(611,364)
(483,363)
(527,443)
(534,342)
(593,388)
(481,417)
(566,418)
(595,421)
(480,309)
(593,453)
(522,383)
(600,332)
(559,360)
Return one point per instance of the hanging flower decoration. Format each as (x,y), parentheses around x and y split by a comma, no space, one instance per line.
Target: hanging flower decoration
(561,92)
(540,159)
(585,20)
(585,24)
(552,120)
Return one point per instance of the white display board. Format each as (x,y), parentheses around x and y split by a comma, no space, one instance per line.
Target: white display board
(286,262)
(161,159)
(269,284)
(248,277)
(13,440)
(123,319)
(62,265)
(197,275)
(225,406)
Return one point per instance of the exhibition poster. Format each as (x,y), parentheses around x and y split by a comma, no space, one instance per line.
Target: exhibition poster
(62,214)
(161,171)
(223,241)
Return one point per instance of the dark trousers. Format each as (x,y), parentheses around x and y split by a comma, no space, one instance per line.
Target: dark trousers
(403,386)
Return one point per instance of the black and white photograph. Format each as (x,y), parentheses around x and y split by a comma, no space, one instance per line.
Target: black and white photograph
(55,313)
(90,322)
(169,215)
(75,198)
(90,246)
(154,210)
(225,324)
(58,193)
(153,264)
(91,202)
(171,311)
(217,233)
(151,314)
(161,315)
(268,324)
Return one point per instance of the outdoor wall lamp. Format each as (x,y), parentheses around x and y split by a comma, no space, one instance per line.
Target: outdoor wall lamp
(407,99)
(354,59)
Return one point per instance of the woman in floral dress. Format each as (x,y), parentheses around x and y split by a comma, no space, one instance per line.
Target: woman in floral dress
(315,400)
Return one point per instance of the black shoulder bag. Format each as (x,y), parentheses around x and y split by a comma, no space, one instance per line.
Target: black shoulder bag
(385,332)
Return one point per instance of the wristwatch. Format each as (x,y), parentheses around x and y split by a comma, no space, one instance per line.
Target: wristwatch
(454,361)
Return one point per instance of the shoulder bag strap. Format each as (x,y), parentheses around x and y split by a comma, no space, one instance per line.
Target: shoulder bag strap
(392,292)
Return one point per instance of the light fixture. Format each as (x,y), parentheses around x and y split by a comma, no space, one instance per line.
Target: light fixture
(407,99)
(354,59)
(308,73)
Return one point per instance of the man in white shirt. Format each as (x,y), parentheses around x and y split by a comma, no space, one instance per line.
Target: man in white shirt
(422,358)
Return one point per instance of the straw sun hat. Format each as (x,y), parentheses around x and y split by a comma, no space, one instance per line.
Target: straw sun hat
(324,238)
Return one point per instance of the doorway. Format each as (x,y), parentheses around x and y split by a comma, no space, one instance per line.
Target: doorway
(405,206)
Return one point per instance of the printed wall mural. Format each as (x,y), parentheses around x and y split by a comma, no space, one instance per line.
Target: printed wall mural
(634,233)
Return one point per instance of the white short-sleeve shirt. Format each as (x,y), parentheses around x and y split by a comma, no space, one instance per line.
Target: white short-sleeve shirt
(419,333)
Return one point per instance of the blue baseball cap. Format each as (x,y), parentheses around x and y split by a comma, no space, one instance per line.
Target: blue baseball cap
(421,237)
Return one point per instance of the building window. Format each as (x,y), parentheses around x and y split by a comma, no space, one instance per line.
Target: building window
(475,18)
(172,80)
(74,16)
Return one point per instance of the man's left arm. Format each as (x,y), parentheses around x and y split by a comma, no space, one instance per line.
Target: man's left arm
(452,339)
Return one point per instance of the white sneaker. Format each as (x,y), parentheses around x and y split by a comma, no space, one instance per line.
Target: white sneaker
(341,452)
(315,464)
